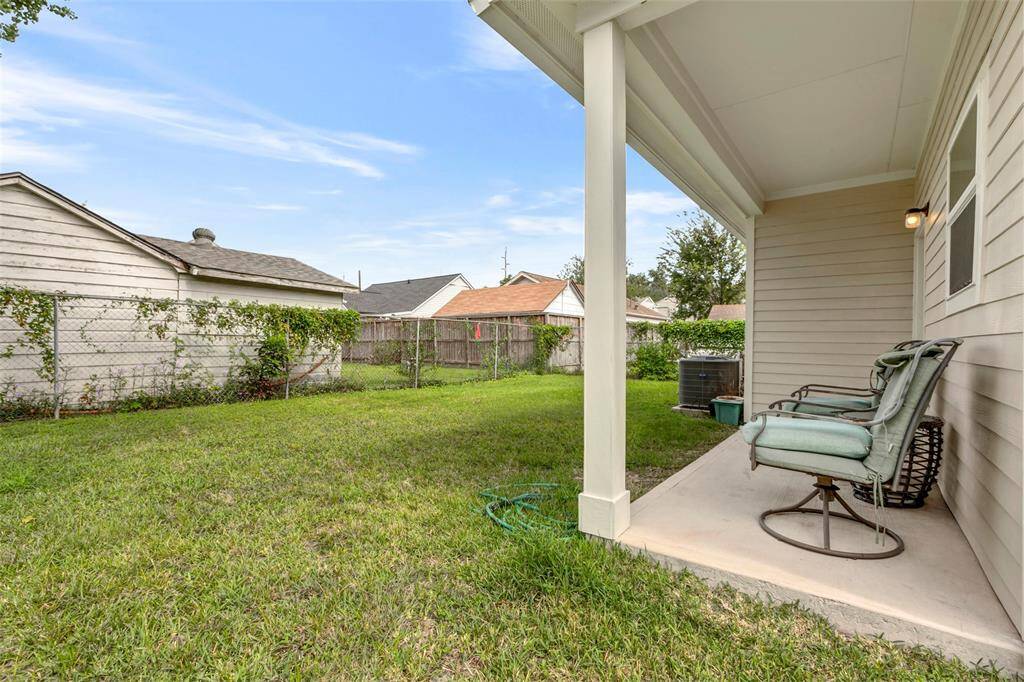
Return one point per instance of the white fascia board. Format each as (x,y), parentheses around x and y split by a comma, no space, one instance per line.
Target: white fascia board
(658,127)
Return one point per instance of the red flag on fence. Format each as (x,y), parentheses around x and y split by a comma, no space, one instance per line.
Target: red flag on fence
(477,333)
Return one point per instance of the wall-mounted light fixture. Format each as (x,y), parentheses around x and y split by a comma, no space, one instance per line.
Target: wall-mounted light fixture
(914,217)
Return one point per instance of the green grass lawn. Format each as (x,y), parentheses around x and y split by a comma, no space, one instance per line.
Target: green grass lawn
(337,536)
(365,376)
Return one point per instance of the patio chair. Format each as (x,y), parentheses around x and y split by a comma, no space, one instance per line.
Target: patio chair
(834,400)
(833,448)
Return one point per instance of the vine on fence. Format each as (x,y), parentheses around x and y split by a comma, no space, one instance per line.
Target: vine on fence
(547,338)
(282,333)
(33,313)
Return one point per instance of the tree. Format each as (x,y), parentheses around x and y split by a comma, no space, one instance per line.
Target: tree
(703,265)
(15,13)
(651,283)
(573,270)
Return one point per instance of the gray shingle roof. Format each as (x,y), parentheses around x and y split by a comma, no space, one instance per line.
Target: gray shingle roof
(213,257)
(388,298)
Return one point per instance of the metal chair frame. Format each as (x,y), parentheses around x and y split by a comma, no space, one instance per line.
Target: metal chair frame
(825,488)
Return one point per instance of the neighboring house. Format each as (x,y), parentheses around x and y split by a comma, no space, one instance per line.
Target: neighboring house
(421,297)
(554,299)
(52,243)
(819,148)
(666,306)
(635,312)
(728,311)
(523,277)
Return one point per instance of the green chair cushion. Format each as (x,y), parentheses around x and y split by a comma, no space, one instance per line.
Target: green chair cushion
(809,435)
(841,468)
(833,403)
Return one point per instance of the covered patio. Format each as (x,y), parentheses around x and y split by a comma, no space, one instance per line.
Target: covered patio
(703,519)
(809,130)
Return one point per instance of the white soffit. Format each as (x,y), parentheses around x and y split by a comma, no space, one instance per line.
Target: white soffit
(816,92)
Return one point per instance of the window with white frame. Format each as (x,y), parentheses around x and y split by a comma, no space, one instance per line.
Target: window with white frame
(963,199)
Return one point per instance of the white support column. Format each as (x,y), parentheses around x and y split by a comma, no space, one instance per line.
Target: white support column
(604,502)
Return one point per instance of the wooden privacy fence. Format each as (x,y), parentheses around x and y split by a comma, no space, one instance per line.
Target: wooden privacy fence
(457,343)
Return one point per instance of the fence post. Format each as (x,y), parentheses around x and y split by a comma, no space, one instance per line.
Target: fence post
(467,343)
(435,343)
(416,373)
(287,363)
(56,357)
(495,350)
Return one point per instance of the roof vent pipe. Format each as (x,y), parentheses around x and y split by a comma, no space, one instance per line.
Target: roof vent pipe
(203,237)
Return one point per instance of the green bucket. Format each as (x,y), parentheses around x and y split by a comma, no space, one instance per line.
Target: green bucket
(728,409)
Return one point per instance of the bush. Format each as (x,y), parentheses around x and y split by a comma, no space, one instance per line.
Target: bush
(654,361)
(722,335)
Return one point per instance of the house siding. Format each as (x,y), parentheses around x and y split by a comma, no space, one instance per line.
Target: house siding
(438,300)
(981,395)
(45,247)
(832,287)
(566,303)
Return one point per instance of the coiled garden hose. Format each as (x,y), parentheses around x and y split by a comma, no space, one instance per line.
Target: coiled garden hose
(516,507)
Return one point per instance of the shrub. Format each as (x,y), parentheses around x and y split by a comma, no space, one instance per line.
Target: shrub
(654,361)
(714,335)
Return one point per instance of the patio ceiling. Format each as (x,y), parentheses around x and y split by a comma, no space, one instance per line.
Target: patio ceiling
(739,102)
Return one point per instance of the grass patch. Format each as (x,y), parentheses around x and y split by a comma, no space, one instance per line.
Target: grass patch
(336,536)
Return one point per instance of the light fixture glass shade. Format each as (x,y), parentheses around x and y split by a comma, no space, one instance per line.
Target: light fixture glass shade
(914,217)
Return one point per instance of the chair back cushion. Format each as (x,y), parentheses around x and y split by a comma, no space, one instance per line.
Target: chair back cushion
(890,435)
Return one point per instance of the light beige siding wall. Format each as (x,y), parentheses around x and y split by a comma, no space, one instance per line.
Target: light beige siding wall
(833,287)
(981,396)
(47,248)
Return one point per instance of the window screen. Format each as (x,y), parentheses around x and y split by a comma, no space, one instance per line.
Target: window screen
(963,156)
(961,249)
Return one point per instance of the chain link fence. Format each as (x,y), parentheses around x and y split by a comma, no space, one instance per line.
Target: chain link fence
(80,354)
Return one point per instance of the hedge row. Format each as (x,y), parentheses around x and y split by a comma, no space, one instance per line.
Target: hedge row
(697,334)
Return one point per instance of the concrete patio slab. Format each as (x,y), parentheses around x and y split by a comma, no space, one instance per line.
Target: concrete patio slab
(705,519)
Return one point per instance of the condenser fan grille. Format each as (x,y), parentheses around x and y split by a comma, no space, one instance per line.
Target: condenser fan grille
(704,378)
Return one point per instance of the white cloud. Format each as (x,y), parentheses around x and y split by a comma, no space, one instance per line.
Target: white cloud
(36,96)
(544,225)
(498,201)
(324,192)
(78,31)
(485,49)
(16,151)
(277,207)
(657,202)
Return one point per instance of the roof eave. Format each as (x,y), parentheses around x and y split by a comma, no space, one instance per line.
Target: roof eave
(667,122)
(212,273)
(72,206)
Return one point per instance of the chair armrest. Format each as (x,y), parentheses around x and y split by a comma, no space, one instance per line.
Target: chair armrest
(853,391)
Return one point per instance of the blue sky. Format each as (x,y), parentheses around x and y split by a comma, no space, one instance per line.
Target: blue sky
(400,139)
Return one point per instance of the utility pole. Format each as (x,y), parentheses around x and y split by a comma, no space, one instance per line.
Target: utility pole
(504,265)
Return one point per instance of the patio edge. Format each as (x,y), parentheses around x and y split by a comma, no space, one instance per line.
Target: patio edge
(851,619)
